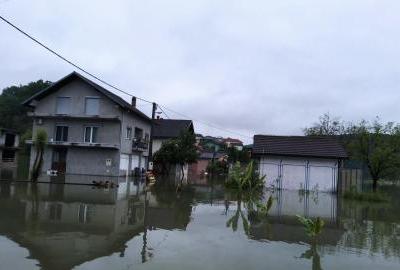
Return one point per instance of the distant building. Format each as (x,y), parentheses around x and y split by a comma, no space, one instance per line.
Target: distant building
(299,162)
(236,143)
(166,129)
(9,142)
(205,159)
(212,144)
(90,130)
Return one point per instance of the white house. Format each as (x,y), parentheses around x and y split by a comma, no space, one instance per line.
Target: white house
(299,162)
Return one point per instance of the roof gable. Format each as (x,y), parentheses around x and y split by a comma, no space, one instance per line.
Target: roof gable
(170,128)
(305,146)
(76,76)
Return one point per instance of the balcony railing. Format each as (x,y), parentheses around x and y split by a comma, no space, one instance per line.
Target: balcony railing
(139,144)
(79,144)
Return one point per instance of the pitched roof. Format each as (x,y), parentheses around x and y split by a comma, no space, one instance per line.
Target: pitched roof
(170,128)
(232,140)
(305,146)
(74,76)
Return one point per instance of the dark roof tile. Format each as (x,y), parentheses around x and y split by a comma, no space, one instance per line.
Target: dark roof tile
(170,128)
(306,146)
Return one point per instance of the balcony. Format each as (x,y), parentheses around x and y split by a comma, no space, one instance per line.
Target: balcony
(79,144)
(139,144)
(74,116)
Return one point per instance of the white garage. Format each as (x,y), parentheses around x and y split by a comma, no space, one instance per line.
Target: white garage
(299,162)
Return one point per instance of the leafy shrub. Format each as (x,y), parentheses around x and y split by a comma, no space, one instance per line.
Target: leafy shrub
(312,227)
(244,179)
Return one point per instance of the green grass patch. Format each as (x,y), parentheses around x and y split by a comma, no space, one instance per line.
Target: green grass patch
(366,196)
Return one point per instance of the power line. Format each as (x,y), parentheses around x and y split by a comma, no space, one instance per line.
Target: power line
(68,61)
(159,106)
(109,84)
(207,124)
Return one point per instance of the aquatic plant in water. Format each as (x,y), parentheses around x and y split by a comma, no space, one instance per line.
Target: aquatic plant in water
(244,179)
(313,227)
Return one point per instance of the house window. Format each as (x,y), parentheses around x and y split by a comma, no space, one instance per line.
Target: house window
(90,134)
(128,133)
(61,133)
(63,105)
(147,137)
(92,105)
(138,133)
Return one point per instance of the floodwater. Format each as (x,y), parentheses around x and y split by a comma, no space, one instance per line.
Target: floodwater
(196,226)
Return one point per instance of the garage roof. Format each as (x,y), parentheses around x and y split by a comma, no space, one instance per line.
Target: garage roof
(303,146)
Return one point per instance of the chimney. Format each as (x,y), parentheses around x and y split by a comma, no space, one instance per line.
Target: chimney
(133,103)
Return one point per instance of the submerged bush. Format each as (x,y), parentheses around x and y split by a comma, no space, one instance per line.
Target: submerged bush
(312,227)
(244,179)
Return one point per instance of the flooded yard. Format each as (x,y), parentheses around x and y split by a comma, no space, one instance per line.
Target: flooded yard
(197,226)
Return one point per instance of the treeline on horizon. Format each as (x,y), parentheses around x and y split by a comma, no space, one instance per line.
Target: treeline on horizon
(13,115)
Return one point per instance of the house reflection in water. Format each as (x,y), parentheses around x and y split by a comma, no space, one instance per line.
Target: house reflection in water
(282,223)
(63,226)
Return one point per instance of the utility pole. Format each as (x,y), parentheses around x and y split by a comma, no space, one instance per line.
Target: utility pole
(153,116)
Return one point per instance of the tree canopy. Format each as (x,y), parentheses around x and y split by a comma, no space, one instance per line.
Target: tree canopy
(180,151)
(12,113)
(376,144)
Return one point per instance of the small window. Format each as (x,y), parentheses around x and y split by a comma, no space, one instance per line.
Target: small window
(147,137)
(92,105)
(61,133)
(90,134)
(138,133)
(128,133)
(63,105)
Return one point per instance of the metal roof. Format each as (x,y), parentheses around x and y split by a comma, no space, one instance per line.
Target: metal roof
(304,146)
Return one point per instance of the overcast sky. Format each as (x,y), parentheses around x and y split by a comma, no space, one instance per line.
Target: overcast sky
(264,67)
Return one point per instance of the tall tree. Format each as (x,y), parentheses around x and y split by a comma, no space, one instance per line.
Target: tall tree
(378,146)
(12,113)
(327,125)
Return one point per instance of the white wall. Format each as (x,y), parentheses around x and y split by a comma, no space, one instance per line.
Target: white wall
(321,173)
(157,145)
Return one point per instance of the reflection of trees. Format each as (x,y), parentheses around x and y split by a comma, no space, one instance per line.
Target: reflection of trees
(312,253)
(371,227)
(256,210)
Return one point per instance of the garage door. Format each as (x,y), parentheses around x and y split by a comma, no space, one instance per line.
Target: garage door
(293,176)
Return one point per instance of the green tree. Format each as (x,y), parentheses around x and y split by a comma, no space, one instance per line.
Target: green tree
(235,155)
(12,113)
(378,146)
(327,125)
(179,151)
(40,143)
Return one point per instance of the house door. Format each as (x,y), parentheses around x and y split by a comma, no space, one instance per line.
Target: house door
(59,160)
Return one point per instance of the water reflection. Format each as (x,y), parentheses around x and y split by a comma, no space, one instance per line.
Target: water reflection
(198,226)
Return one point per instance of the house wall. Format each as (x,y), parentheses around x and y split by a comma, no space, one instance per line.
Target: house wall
(198,167)
(157,143)
(90,161)
(299,173)
(78,90)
